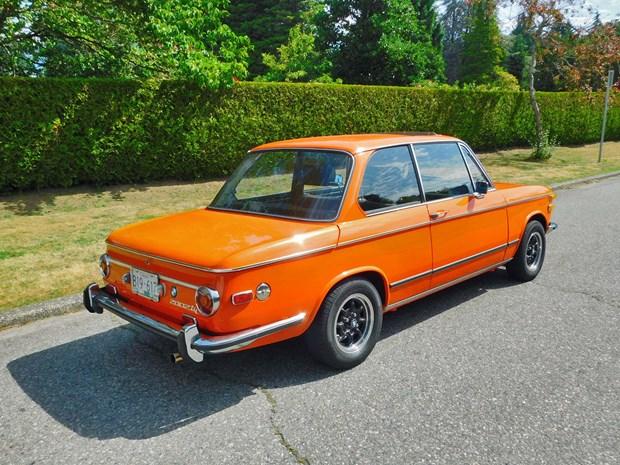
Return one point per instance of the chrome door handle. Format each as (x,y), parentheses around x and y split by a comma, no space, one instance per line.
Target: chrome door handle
(438,214)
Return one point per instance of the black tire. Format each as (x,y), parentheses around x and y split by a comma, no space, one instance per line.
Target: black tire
(530,255)
(347,326)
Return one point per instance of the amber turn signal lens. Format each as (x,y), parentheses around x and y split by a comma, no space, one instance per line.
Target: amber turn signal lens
(207,300)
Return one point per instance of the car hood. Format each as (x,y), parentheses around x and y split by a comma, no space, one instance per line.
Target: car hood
(224,240)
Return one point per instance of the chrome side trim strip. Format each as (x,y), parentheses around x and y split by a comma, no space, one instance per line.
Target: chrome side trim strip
(415,297)
(470,258)
(411,278)
(161,276)
(394,209)
(384,233)
(224,270)
(473,213)
(451,264)
(530,199)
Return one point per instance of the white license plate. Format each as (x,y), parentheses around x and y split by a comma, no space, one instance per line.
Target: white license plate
(145,284)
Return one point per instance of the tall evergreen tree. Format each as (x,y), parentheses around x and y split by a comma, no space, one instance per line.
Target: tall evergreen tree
(267,23)
(455,22)
(483,52)
(427,16)
(517,58)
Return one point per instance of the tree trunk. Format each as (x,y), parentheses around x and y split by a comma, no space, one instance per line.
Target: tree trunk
(533,102)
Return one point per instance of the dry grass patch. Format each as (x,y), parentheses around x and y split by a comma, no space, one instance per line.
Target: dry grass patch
(50,240)
(566,163)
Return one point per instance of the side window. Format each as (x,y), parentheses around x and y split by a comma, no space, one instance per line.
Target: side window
(476,173)
(442,170)
(389,180)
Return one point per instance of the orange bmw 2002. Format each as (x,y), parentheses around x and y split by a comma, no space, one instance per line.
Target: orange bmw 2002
(319,237)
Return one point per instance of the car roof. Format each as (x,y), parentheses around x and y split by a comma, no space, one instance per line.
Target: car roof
(356,143)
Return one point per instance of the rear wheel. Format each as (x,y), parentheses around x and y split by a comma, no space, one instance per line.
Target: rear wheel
(530,255)
(347,326)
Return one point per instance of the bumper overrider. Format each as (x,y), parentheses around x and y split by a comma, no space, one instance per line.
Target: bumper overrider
(191,344)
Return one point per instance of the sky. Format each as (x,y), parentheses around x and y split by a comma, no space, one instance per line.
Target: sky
(608,9)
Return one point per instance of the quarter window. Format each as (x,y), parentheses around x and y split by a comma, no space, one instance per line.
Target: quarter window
(389,180)
(442,170)
(476,173)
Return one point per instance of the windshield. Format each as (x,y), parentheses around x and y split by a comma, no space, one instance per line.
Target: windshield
(304,184)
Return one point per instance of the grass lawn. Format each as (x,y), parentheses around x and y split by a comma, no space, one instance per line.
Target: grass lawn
(50,240)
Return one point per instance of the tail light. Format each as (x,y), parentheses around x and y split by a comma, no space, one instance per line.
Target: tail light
(207,300)
(104,265)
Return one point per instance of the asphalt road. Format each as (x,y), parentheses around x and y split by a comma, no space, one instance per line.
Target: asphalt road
(488,372)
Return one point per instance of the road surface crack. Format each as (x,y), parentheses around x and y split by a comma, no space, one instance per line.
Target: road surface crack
(273,412)
(592,296)
(273,407)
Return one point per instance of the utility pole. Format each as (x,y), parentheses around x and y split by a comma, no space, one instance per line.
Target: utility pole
(610,81)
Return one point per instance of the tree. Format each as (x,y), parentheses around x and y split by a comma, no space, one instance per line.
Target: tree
(427,16)
(378,42)
(594,54)
(518,58)
(297,60)
(349,35)
(454,22)
(538,20)
(408,44)
(483,52)
(134,38)
(267,23)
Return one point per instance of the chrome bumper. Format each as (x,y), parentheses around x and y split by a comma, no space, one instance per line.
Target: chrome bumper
(192,344)
(552,227)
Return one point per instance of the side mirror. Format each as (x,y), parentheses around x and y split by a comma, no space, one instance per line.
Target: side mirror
(482,187)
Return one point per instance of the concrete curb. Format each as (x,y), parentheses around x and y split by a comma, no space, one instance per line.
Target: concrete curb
(73,303)
(576,182)
(29,313)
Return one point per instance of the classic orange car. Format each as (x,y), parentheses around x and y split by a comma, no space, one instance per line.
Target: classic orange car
(319,237)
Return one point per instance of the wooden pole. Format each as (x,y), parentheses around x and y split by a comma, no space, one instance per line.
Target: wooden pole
(610,81)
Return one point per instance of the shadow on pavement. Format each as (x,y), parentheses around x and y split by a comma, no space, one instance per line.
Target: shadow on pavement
(120,383)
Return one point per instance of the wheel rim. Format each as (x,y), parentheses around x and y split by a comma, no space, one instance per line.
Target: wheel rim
(353,323)
(534,251)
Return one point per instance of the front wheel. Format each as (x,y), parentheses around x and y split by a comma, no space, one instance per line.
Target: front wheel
(530,255)
(347,325)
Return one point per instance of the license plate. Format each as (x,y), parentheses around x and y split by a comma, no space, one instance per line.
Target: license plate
(145,284)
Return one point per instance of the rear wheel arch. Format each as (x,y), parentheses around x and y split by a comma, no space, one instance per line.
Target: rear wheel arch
(371,274)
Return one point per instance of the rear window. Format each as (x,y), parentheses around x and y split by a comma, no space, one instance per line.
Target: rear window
(302,184)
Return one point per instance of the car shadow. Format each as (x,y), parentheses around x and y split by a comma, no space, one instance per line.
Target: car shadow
(120,383)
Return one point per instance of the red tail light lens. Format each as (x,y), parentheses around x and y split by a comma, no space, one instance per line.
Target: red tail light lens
(242,297)
(207,300)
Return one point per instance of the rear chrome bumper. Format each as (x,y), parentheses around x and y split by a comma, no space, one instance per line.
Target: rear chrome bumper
(192,344)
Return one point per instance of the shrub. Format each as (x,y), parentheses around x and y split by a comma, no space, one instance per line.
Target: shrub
(64,132)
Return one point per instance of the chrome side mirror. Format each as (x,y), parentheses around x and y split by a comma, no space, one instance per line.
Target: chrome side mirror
(481,189)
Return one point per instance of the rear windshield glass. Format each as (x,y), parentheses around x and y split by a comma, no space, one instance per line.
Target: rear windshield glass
(303,184)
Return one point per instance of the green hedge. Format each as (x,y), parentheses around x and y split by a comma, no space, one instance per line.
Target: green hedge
(64,132)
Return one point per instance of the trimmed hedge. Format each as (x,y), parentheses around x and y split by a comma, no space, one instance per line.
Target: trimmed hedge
(64,132)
